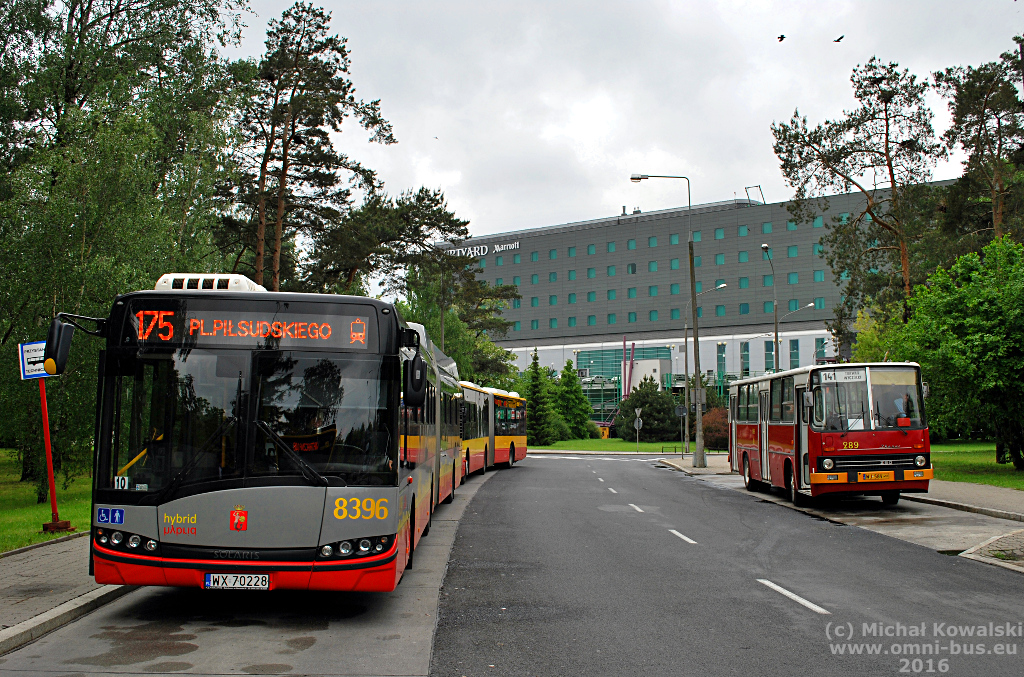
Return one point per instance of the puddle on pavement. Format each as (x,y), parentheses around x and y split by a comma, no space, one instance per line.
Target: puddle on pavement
(168,666)
(140,643)
(267,669)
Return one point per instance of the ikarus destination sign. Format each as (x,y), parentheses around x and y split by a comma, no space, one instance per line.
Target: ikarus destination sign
(842,375)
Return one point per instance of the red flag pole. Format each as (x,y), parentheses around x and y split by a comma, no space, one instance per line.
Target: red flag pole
(56,524)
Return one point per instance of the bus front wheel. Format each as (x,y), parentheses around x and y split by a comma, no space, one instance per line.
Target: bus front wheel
(451,497)
(795,497)
(749,483)
(890,497)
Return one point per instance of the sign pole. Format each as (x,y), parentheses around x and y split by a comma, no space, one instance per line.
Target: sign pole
(55,524)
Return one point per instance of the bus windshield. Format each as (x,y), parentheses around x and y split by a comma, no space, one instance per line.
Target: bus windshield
(895,397)
(841,399)
(330,411)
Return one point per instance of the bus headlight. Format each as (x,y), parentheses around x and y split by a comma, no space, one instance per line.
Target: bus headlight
(920,461)
(345,548)
(326,551)
(364,545)
(151,545)
(116,538)
(828,464)
(134,541)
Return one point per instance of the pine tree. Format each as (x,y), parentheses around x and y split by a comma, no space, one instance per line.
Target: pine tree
(572,404)
(538,410)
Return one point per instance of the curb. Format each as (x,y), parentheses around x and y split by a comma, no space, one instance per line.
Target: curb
(970,553)
(21,634)
(966,507)
(543,452)
(26,548)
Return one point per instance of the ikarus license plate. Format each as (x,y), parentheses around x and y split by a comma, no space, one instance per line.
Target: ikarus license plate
(237,582)
(884,476)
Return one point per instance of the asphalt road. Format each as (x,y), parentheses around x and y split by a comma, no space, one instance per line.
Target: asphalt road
(586,567)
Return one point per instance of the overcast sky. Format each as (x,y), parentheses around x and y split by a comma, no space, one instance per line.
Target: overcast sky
(542,109)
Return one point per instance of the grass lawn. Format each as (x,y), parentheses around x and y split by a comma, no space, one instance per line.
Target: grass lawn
(614,444)
(21,518)
(974,462)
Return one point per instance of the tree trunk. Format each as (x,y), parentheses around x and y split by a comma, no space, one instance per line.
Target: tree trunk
(261,206)
(282,186)
(997,200)
(905,264)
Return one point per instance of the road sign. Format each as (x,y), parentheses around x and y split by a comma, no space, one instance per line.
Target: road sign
(31,360)
(637,411)
(680,411)
(638,423)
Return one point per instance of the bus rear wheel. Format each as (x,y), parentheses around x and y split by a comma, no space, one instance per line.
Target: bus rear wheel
(451,497)
(749,483)
(890,497)
(412,534)
(511,456)
(795,497)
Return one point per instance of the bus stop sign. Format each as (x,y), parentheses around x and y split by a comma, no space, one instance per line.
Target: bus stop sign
(30,356)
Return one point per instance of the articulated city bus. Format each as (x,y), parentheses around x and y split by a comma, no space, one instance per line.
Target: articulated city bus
(256,440)
(832,429)
(494,427)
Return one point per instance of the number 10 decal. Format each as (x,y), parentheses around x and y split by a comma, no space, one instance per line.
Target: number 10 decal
(159,320)
(367,509)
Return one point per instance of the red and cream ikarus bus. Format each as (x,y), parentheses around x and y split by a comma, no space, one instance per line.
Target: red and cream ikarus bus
(832,429)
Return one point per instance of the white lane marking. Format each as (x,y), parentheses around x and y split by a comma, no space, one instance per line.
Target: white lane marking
(685,538)
(612,490)
(600,479)
(594,471)
(634,507)
(796,598)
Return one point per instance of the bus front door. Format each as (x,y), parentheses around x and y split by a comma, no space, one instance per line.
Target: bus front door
(766,473)
(801,440)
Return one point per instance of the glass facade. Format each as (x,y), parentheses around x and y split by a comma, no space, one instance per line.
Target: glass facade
(819,348)
(794,353)
(720,358)
(769,355)
(744,359)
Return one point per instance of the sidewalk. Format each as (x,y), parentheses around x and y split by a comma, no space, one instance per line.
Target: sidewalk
(44,587)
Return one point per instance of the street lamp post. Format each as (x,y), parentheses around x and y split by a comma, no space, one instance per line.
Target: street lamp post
(775,303)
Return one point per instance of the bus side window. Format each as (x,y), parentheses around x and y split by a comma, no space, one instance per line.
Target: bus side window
(744,403)
(788,400)
(776,400)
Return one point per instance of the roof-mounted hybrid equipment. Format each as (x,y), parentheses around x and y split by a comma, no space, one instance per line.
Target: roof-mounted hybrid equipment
(206,281)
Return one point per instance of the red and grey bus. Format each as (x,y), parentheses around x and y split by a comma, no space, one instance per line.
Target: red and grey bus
(258,440)
(832,429)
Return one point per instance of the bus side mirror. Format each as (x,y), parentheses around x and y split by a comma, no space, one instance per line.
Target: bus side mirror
(410,338)
(926,391)
(808,399)
(415,387)
(58,347)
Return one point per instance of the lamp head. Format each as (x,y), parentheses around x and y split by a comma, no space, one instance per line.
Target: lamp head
(724,285)
(764,247)
(637,178)
(809,305)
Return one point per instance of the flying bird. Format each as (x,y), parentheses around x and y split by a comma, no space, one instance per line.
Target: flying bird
(781,38)
(840,38)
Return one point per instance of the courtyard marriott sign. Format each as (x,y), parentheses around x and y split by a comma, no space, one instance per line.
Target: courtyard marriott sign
(482,249)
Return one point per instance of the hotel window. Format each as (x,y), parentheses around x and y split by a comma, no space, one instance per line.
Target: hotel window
(674,289)
(817,250)
(700,287)
(652,241)
(696,262)
(516,302)
(844,218)
(611,318)
(534,324)
(720,358)
(552,323)
(498,282)
(790,225)
(719,259)
(572,275)
(674,314)
(535,279)
(552,300)
(793,305)
(535,256)
(766,227)
(611,271)
(719,233)
(553,254)
(591,296)
(572,298)
(744,309)
(696,236)
(719,282)
(572,254)
(700,311)
(552,277)
(611,247)
(673,239)
(719,311)
(630,244)
(794,353)
(767,280)
(819,348)
(611,294)
(652,266)
(534,301)
(653,316)
(499,260)
(673,264)
(819,303)
(793,278)
(770,254)
(769,307)
(591,249)
(742,231)
(591,320)
(516,258)
(743,257)
(818,222)
(769,355)
(819,276)
(630,269)
(744,283)
(483,263)
(652,290)
(744,359)
(631,317)
(515,280)
(792,251)
(591,273)
(572,321)
(516,325)
(631,292)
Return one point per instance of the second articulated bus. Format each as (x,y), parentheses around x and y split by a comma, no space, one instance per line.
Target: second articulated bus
(846,429)
(494,427)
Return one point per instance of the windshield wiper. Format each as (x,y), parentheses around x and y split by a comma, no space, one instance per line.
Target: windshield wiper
(176,481)
(306,469)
